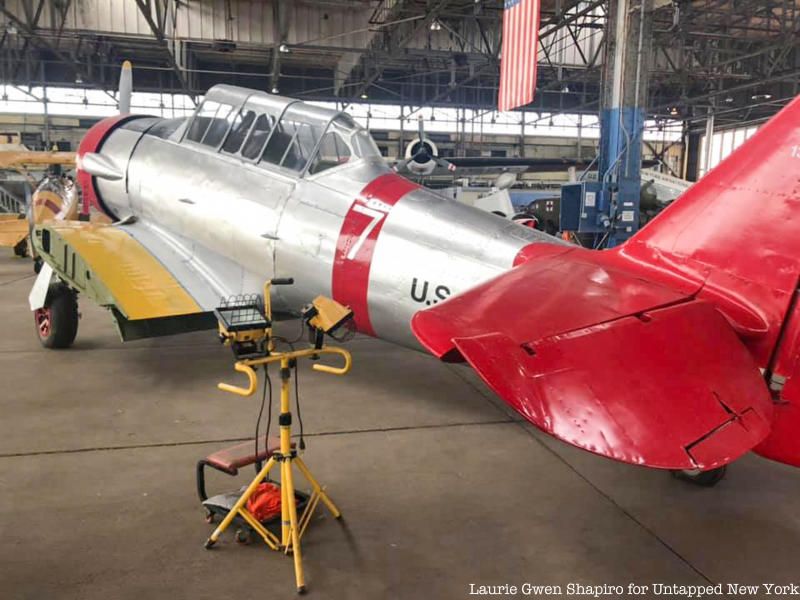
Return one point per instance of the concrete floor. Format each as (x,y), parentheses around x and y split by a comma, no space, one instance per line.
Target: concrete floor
(439,485)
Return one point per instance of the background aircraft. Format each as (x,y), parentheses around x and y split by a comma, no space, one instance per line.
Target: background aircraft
(677,350)
(422,159)
(55,196)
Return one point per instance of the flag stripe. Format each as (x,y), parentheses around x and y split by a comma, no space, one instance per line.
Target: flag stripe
(519,53)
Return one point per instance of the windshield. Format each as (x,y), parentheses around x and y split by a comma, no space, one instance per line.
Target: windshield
(344,140)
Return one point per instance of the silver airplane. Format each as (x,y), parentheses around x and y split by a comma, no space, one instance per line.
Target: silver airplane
(665,352)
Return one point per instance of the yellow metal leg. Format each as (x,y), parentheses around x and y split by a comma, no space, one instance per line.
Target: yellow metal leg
(317,488)
(294,527)
(240,503)
(269,539)
(285,523)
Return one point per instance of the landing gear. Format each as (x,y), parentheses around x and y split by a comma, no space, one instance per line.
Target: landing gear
(702,478)
(21,249)
(57,321)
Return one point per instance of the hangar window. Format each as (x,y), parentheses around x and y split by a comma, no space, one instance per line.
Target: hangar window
(210,113)
(241,125)
(258,136)
(333,151)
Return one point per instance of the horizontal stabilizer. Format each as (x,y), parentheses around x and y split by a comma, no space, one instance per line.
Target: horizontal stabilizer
(668,385)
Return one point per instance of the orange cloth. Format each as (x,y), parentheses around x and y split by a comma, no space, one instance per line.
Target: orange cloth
(265,502)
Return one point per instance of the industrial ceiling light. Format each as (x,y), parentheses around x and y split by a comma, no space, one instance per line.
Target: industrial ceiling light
(283,48)
(275,90)
(435,25)
(728,99)
(364,96)
(673,110)
(565,89)
(758,97)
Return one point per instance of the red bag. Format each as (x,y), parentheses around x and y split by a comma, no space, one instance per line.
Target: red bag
(265,502)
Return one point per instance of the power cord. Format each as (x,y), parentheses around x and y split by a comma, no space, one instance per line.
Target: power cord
(297,404)
(267,387)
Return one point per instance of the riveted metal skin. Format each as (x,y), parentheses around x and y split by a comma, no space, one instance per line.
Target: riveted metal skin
(653,353)
(650,354)
(360,233)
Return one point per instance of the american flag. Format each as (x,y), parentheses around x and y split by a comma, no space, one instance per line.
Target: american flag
(520,46)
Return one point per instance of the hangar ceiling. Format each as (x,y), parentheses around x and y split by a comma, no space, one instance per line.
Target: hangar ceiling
(739,58)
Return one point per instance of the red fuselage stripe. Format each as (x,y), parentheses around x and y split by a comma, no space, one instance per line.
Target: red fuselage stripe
(356,244)
(49,204)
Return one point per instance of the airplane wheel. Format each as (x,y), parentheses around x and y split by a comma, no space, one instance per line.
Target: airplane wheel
(702,478)
(57,321)
(21,249)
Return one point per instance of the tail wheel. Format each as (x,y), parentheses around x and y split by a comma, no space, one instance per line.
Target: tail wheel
(57,322)
(702,478)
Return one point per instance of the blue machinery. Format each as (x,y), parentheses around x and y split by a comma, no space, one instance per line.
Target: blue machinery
(609,207)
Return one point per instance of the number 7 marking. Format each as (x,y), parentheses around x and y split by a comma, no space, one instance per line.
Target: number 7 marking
(376,218)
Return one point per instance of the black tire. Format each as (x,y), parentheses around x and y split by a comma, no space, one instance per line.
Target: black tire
(702,478)
(21,249)
(57,322)
(242,537)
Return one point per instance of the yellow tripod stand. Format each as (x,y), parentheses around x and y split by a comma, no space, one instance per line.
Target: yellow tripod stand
(292,527)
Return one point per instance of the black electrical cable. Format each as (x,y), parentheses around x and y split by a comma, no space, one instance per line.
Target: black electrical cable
(269,414)
(299,337)
(297,405)
(267,387)
(258,424)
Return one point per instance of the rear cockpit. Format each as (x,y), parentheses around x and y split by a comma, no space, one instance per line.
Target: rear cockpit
(282,134)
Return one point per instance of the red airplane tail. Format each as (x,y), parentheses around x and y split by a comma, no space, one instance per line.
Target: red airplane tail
(736,233)
(651,353)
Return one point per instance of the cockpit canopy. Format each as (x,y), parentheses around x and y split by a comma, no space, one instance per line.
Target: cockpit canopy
(274,131)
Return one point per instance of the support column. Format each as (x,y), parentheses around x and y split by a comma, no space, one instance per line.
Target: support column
(691,159)
(625,76)
(709,140)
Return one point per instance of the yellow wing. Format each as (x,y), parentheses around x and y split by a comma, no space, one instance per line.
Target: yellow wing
(118,271)
(12,230)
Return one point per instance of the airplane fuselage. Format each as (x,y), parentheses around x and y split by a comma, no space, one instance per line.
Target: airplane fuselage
(356,231)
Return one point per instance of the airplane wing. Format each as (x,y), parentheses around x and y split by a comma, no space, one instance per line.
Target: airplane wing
(29,158)
(151,286)
(12,230)
(607,361)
